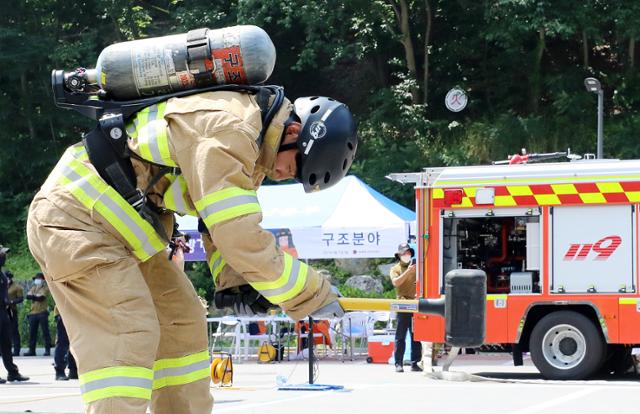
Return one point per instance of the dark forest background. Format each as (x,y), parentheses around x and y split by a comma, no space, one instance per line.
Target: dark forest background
(521,62)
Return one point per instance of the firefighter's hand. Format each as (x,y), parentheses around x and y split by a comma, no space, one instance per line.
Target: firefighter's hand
(244,300)
(331,309)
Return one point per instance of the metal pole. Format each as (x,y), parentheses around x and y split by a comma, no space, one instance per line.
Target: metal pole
(600,119)
(310,347)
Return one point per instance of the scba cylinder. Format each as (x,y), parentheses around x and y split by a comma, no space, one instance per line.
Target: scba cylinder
(203,57)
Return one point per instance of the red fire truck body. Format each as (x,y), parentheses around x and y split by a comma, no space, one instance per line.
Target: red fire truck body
(559,244)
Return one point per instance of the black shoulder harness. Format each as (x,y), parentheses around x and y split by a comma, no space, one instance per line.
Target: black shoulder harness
(106,144)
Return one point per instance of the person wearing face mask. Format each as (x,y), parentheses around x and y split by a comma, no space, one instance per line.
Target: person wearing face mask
(39,315)
(5,325)
(403,278)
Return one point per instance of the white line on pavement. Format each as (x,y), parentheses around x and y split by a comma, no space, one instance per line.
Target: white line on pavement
(315,394)
(17,399)
(556,401)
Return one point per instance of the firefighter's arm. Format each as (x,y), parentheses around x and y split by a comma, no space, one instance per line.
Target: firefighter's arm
(224,277)
(216,153)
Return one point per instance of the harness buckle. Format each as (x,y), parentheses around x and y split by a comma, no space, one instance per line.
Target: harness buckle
(137,200)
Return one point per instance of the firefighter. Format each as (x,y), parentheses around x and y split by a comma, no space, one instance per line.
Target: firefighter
(135,323)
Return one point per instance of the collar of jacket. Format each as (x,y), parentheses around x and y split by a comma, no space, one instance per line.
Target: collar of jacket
(269,149)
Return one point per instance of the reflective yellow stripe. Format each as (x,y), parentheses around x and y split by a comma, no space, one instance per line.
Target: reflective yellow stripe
(119,381)
(226,204)
(520,190)
(547,199)
(288,285)
(183,370)
(627,301)
(216,264)
(564,189)
(504,201)
(149,129)
(610,187)
(470,191)
(95,194)
(537,180)
(592,198)
(176,198)
(494,297)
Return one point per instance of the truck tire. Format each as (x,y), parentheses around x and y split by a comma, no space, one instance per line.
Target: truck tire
(566,345)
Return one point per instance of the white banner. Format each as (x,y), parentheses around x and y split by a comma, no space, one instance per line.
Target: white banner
(319,243)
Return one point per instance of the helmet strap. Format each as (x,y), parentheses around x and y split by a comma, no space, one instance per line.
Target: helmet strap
(292,145)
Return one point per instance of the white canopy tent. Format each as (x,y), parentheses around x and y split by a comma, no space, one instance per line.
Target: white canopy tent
(348,220)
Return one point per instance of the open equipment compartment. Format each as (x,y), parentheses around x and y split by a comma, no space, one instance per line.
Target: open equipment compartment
(506,245)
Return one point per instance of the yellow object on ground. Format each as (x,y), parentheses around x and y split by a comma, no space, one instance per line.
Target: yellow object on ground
(267,353)
(222,369)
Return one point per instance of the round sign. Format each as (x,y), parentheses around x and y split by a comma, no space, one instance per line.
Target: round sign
(456,100)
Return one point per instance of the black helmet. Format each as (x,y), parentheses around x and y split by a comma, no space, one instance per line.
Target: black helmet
(327,142)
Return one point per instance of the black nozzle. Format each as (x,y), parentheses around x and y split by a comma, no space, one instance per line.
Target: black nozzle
(465,307)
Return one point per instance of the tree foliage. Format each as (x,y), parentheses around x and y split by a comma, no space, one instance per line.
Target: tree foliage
(521,62)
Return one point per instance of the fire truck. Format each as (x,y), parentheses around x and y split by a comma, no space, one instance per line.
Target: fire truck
(559,244)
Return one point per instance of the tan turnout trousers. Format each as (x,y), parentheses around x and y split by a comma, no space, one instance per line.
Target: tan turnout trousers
(137,330)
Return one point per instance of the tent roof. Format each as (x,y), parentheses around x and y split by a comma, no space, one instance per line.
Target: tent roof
(349,203)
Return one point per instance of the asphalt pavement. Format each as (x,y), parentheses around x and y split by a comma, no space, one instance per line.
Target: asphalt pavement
(368,388)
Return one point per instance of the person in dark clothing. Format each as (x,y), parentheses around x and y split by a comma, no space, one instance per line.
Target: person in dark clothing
(16,296)
(403,278)
(5,326)
(62,355)
(39,315)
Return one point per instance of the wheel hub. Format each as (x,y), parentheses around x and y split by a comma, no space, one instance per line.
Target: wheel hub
(564,347)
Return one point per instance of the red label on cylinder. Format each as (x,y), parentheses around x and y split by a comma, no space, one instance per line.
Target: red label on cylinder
(229,60)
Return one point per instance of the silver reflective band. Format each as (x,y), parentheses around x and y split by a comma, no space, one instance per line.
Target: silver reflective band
(86,186)
(116,382)
(292,279)
(228,203)
(178,196)
(152,135)
(174,372)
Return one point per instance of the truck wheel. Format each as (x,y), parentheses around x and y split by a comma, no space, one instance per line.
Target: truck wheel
(566,345)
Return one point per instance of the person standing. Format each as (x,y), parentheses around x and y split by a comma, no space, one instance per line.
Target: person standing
(16,296)
(5,326)
(39,315)
(62,356)
(403,278)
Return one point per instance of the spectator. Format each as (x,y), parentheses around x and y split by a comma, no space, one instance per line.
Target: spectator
(403,278)
(62,355)
(16,296)
(39,315)
(5,335)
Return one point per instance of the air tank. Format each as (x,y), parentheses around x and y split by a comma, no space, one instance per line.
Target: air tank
(203,57)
